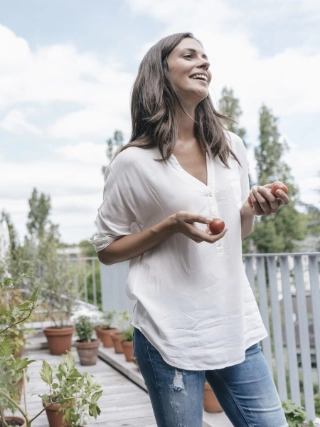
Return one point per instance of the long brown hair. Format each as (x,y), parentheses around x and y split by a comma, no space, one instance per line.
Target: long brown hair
(153,112)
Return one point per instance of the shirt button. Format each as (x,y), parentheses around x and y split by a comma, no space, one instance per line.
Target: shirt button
(210,194)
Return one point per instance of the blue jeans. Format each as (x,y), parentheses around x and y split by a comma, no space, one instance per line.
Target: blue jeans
(245,391)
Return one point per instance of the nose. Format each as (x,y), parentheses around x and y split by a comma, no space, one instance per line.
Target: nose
(204,64)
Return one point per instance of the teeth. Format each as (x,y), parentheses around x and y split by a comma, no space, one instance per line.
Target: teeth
(200,76)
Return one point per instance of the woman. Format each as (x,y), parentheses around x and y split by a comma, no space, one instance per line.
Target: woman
(195,317)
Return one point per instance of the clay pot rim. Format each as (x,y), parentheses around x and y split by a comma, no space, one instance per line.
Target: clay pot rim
(58,328)
(92,344)
(16,418)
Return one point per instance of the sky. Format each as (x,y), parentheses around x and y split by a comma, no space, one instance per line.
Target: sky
(67,68)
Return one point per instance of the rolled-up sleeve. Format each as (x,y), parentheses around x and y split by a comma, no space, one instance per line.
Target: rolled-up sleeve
(116,213)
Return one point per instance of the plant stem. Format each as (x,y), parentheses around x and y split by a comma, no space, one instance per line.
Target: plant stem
(25,392)
(6,396)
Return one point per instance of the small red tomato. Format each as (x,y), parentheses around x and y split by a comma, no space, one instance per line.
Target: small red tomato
(216,226)
(278,186)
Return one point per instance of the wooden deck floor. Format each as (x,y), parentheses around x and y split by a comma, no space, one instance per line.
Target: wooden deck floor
(123,403)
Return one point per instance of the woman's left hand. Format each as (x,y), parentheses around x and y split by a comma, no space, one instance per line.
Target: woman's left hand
(262,202)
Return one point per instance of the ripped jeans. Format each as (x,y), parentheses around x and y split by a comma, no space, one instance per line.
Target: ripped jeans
(245,391)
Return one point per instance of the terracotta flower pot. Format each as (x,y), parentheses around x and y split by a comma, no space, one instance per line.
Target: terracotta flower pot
(116,340)
(97,329)
(88,352)
(59,339)
(105,336)
(18,421)
(210,402)
(128,350)
(54,415)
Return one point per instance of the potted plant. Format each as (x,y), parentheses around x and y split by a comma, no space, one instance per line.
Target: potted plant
(104,330)
(10,298)
(127,343)
(59,293)
(12,369)
(295,415)
(72,396)
(210,402)
(86,346)
(76,393)
(123,323)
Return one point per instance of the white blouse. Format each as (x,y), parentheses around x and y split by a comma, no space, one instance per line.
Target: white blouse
(194,302)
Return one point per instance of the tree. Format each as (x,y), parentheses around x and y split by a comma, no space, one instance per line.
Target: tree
(230,107)
(113,145)
(14,241)
(279,232)
(40,206)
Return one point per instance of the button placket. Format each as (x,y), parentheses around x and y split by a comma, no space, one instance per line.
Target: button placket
(212,202)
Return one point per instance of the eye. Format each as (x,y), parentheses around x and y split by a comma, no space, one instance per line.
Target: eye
(187,55)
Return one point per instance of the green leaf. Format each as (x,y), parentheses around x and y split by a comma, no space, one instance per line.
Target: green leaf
(6,348)
(96,396)
(46,373)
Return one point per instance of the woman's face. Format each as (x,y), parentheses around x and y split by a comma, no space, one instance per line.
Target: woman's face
(189,70)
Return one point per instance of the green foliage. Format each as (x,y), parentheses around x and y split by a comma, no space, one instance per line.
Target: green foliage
(113,145)
(107,319)
(14,311)
(295,414)
(78,393)
(84,329)
(280,232)
(123,320)
(14,241)
(127,334)
(87,248)
(40,206)
(230,107)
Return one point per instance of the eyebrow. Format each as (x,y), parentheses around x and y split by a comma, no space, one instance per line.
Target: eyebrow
(194,51)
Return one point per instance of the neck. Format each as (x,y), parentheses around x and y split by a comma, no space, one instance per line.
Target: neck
(185,121)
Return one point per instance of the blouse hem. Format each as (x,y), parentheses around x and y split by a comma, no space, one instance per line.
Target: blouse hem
(205,367)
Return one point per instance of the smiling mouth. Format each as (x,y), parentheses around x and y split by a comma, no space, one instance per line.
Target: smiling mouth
(202,77)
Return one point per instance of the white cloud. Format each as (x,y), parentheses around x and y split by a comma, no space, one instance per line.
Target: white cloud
(85,152)
(96,86)
(75,189)
(15,122)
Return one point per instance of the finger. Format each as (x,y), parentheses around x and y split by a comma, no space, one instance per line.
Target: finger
(272,200)
(282,196)
(261,204)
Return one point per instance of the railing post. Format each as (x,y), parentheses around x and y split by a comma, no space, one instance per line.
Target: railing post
(250,273)
(276,328)
(94,287)
(264,309)
(290,333)
(315,299)
(304,338)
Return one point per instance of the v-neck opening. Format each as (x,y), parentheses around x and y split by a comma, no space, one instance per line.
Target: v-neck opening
(175,161)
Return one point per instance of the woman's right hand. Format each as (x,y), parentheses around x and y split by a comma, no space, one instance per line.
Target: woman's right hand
(184,222)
